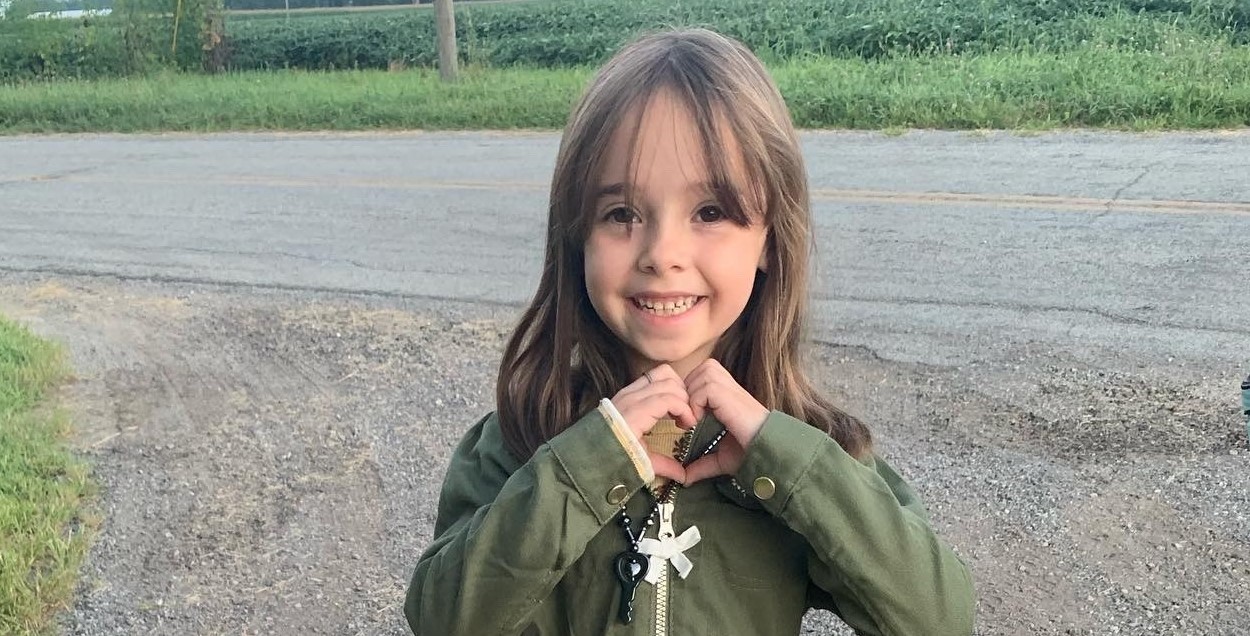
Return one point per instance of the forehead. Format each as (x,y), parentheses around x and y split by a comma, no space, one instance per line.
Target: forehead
(663,131)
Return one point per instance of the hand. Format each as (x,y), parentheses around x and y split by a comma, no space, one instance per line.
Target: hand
(649,399)
(712,388)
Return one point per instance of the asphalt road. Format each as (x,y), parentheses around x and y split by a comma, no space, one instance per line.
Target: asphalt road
(1106,244)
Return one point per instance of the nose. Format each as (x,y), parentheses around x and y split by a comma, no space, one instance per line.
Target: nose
(666,246)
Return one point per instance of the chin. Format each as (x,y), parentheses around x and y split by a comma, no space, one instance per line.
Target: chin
(665,356)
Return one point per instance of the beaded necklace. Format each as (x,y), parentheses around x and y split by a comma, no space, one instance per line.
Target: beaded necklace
(630,566)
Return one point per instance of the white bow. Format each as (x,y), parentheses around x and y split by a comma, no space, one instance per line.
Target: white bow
(669,550)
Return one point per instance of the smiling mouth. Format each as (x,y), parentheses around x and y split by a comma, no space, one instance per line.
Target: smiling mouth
(670,307)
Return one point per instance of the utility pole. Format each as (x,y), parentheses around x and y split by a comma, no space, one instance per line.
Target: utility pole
(445,26)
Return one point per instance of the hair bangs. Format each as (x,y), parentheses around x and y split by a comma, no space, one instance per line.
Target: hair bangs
(733,174)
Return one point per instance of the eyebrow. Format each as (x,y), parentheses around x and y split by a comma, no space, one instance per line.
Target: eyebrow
(619,188)
(610,189)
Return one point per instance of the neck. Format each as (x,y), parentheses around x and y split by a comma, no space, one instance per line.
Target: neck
(639,364)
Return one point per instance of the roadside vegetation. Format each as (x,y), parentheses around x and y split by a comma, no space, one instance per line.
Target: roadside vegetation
(43,528)
(1189,88)
(1133,64)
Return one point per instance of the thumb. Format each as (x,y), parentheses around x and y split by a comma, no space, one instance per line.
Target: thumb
(667,467)
(703,468)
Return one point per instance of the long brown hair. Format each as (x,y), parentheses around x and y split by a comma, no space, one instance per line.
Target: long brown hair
(561,358)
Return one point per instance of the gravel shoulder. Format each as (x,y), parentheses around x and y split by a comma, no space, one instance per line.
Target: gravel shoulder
(270,462)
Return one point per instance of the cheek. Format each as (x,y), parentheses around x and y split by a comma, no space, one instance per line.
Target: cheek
(744,261)
(754,251)
(597,273)
(593,268)
(605,261)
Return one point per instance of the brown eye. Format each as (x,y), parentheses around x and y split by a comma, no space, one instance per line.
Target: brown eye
(711,214)
(622,215)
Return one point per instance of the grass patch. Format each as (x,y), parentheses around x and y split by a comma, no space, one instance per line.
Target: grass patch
(1203,86)
(1185,84)
(43,533)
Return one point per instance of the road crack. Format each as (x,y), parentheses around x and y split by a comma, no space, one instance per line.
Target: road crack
(1118,193)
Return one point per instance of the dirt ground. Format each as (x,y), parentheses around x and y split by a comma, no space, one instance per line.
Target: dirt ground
(270,463)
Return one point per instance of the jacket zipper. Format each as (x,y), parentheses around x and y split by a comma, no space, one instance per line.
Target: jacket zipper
(666,529)
(661,586)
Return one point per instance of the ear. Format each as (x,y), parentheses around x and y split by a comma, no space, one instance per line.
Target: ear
(768,244)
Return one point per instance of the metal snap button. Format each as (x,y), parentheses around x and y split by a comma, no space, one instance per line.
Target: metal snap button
(618,494)
(764,488)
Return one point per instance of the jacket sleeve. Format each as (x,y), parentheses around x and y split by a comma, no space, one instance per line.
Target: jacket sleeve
(506,532)
(872,555)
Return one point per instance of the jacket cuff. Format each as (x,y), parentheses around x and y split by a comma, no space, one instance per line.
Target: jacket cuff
(599,471)
(633,446)
(778,459)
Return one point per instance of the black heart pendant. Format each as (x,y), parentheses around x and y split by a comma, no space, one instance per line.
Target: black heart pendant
(630,567)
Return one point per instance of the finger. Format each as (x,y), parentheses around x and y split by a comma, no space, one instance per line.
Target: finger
(668,467)
(697,412)
(668,388)
(708,376)
(710,372)
(627,398)
(679,408)
(708,367)
(698,374)
(703,468)
(671,386)
(698,406)
(665,372)
(650,378)
(702,400)
(638,384)
(657,406)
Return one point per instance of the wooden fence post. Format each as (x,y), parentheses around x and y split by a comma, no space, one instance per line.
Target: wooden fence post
(445,25)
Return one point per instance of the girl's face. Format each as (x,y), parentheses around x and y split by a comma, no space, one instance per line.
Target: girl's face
(666,270)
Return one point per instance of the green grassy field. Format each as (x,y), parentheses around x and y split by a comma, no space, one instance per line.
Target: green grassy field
(43,529)
(1188,85)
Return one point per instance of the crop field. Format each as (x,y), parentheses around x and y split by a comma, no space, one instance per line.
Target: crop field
(1135,64)
(571,33)
(560,33)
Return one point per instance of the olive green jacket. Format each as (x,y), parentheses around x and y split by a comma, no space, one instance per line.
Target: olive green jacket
(527,548)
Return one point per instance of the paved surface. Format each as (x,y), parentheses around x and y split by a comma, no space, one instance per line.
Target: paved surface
(1135,242)
(279,338)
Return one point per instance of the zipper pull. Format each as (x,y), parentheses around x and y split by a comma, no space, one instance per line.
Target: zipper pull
(666,521)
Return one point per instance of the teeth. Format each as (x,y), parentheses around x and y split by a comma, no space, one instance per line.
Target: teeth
(668,308)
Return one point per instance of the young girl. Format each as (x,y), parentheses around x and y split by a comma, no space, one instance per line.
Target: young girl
(659,463)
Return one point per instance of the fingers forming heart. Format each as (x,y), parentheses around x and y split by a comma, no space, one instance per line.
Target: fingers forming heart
(711,388)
